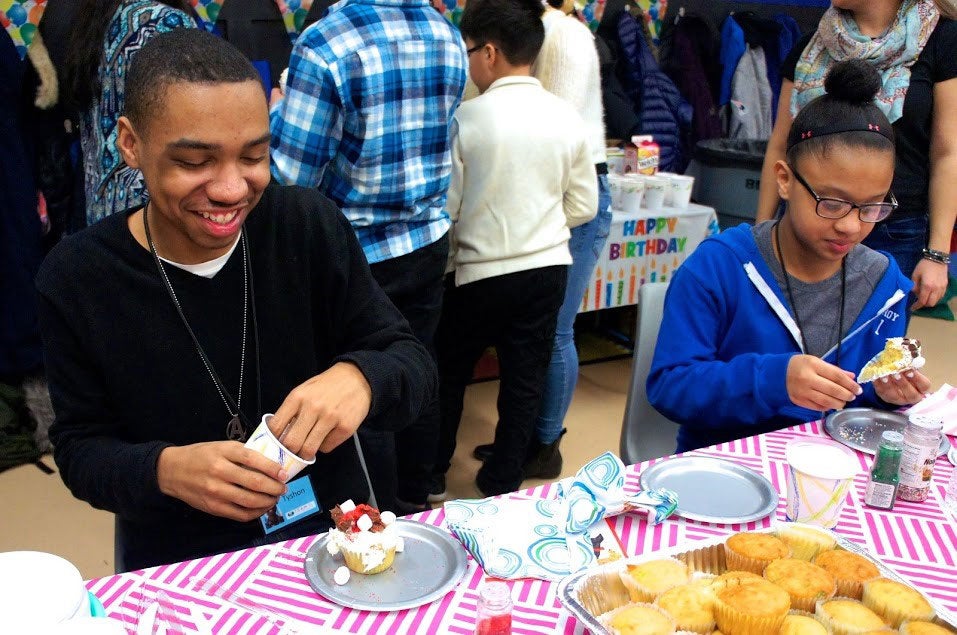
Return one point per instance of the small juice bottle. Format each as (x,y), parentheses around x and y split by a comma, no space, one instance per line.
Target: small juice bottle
(648,154)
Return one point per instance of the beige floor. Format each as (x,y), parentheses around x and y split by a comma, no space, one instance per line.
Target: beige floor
(39,513)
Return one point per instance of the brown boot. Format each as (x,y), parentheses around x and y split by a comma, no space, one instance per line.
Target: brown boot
(544,460)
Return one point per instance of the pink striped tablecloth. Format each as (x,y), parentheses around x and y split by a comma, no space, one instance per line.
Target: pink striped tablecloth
(266,586)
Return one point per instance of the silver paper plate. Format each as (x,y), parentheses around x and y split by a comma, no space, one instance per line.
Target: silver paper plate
(952,456)
(861,428)
(431,564)
(713,490)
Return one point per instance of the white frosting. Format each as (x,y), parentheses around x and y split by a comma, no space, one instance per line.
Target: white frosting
(347,506)
(332,547)
(399,544)
(370,546)
(341,576)
(387,518)
(364,523)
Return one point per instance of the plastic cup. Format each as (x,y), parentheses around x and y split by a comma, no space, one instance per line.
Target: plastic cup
(615,188)
(819,477)
(632,191)
(266,443)
(655,188)
(679,192)
(615,160)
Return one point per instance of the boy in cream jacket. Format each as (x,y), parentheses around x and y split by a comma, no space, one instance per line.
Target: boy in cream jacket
(522,175)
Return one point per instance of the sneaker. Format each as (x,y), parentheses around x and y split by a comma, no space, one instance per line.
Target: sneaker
(437,492)
(482,452)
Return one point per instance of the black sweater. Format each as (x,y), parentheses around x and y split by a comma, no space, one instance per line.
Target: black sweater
(126,380)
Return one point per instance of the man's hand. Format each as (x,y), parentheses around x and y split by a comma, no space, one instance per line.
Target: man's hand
(902,389)
(321,413)
(221,478)
(930,283)
(813,383)
(275,96)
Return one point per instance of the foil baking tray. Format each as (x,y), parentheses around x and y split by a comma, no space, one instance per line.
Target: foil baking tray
(597,590)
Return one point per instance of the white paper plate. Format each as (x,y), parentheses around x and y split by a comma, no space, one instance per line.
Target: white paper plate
(39,589)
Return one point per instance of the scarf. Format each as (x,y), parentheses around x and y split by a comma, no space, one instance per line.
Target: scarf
(837,39)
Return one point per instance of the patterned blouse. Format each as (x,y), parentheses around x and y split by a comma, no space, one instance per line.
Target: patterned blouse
(112,186)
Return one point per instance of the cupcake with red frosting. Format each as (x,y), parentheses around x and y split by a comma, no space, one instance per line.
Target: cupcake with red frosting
(366,538)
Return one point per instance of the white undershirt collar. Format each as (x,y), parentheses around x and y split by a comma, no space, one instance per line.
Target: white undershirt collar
(209,268)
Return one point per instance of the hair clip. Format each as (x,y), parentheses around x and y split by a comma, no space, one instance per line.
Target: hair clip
(874,127)
(806,135)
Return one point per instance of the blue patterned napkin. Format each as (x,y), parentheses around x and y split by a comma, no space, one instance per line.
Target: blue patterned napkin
(549,539)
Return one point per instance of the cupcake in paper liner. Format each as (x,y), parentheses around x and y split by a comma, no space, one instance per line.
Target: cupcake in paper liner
(631,619)
(899,354)
(921,627)
(750,607)
(896,602)
(805,582)
(367,540)
(806,541)
(849,569)
(802,623)
(847,616)
(691,605)
(752,551)
(645,581)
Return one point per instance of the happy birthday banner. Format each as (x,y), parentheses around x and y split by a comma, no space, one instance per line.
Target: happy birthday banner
(644,249)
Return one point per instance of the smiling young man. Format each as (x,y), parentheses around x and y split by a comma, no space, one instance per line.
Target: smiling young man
(171,329)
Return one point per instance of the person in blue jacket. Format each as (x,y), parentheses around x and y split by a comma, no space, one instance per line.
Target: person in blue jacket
(767,326)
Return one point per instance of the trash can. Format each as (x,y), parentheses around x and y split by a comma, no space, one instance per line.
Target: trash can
(727,177)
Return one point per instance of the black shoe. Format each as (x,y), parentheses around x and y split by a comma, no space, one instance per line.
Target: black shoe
(437,491)
(544,460)
(482,452)
(403,508)
(491,486)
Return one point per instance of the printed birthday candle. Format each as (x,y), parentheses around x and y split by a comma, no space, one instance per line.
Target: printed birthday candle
(621,287)
(597,288)
(631,284)
(609,290)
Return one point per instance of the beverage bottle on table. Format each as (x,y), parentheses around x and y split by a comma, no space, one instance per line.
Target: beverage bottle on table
(882,484)
(494,616)
(921,446)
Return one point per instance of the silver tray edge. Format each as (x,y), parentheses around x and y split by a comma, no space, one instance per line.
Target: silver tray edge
(567,589)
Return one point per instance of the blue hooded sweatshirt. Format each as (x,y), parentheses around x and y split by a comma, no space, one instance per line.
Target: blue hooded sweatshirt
(727,336)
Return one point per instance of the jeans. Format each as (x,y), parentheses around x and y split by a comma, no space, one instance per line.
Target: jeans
(400,463)
(516,313)
(585,245)
(903,238)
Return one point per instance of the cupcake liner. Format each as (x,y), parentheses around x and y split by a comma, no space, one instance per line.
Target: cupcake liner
(809,614)
(801,601)
(923,627)
(731,620)
(838,628)
(895,614)
(607,618)
(806,541)
(640,593)
(354,560)
(850,588)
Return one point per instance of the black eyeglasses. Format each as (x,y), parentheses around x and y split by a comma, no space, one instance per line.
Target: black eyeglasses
(474,48)
(835,208)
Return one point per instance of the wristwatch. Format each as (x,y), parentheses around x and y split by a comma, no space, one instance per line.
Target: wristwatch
(936,256)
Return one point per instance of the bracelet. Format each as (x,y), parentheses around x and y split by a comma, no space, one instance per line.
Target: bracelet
(933,255)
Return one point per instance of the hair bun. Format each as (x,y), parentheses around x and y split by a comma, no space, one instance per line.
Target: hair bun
(853,81)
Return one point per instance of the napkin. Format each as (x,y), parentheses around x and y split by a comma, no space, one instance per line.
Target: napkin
(550,538)
(940,405)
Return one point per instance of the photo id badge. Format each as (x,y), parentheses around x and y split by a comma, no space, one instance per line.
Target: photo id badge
(296,504)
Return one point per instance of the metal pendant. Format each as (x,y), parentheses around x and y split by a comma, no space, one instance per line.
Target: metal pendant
(235,430)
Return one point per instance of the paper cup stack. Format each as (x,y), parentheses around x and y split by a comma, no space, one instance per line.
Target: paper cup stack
(38,591)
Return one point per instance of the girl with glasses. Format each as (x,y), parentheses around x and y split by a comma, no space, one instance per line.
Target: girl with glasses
(768,326)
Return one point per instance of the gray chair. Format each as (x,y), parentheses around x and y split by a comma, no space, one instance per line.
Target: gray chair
(645,432)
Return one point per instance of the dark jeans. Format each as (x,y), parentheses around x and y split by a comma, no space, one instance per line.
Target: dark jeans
(517,314)
(903,238)
(400,463)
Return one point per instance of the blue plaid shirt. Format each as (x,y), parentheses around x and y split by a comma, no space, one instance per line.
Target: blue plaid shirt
(370,95)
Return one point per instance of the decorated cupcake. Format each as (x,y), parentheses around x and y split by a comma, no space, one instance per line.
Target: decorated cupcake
(753,607)
(647,580)
(845,616)
(691,605)
(896,602)
(638,619)
(753,551)
(806,583)
(806,541)
(802,623)
(849,569)
(366,538)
